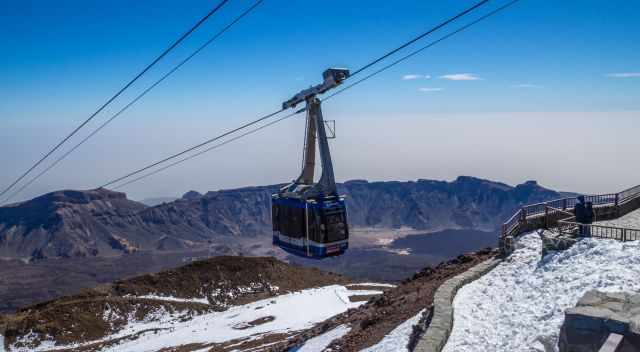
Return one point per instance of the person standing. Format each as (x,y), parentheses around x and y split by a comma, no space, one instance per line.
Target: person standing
(590,217)
(584,216)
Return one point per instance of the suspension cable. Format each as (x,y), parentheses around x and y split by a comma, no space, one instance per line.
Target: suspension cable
(330,96)
(209,141)
(290,115)
(147,68)
(477,5)
(461,29)
(216,146)
(135,100)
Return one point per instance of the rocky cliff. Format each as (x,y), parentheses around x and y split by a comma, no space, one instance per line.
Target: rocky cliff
(102,222)
(430,205)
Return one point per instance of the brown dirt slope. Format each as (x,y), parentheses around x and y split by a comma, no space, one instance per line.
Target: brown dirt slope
(98,312)
(372,321)
(205,278)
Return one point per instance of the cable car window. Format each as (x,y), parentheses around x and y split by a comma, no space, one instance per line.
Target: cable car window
(275,220)
(336,227)
(314,231)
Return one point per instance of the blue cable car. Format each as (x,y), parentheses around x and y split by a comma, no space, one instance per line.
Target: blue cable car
(310,219)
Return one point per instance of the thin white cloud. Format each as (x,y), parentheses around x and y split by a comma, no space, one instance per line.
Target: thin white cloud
(526,85)
(624,75)
(425,89)
(414,76)
(461,77)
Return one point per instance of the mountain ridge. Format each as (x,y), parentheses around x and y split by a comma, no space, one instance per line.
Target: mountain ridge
(104,223)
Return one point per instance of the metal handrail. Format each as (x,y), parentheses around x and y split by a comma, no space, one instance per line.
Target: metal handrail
(602,231)
(562,211)
(562,204)
(596,225)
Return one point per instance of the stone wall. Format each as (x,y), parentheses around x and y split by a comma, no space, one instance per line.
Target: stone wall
(437,334)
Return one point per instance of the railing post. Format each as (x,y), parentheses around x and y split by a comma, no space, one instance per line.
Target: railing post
(523,216)
(624,235)
(617,198)
(564,204)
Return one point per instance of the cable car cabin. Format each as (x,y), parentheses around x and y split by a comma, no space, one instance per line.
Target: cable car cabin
(310,219)
(314,228)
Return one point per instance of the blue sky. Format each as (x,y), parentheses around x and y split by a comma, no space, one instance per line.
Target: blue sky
(60,60)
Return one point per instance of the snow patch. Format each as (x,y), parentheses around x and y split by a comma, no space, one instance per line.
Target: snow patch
(363,292)
(371,284)
(519,305)
(206,349)
(292,312)
(404,251)
(26,342)
(2,343)
(173,299)
(320,342)
(344,295)
(398,338)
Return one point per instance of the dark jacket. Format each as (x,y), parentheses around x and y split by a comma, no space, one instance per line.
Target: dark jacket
(591,215)
(585,213)
(581,213)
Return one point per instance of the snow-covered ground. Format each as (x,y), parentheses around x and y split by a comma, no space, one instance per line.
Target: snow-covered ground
(398,338)
(285,313)
(321,342)
(519,305)
(631,220)
(174,299)
(373,284)
(1,343)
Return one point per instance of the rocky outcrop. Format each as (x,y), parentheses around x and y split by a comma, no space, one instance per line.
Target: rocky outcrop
(466,202)
(102,222)
(598,314)
(192,195)
(66,223)
(552,241)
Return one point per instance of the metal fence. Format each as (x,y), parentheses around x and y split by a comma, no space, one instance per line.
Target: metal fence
(599,231)
(516,222)
(513,223)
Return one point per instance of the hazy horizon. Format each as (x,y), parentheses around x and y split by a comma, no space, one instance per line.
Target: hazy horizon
(439,147)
